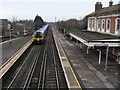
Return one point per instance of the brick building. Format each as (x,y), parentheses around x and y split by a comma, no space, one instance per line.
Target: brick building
(4,26)
(102,33)
(105,19)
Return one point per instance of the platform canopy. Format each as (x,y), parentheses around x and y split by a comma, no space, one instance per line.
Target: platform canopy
(92,39)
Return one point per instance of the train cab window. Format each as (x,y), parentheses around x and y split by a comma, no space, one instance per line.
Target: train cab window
(38,35)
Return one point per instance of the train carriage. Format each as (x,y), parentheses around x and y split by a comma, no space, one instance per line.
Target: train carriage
(39,35)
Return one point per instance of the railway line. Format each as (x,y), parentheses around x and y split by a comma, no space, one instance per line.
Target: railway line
(54,64)
(38,67)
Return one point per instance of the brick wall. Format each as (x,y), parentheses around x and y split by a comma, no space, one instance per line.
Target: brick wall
(112,25)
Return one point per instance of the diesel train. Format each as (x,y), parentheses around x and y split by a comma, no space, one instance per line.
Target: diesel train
(39,35)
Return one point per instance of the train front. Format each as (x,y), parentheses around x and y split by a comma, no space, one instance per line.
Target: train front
(38,37)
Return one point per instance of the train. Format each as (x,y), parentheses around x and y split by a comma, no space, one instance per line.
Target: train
(39,35)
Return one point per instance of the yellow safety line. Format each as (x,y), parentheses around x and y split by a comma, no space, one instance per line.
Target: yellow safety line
(13,56)
(70,67)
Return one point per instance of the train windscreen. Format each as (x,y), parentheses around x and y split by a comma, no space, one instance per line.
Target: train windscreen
(38,35)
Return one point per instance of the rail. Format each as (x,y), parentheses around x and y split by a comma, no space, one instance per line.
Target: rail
(44,71)
(30,75)
(19,70)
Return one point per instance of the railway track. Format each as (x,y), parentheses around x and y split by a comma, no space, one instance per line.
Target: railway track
(32,80)
(40,69)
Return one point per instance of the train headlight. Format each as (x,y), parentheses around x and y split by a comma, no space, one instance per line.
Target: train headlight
(38,39)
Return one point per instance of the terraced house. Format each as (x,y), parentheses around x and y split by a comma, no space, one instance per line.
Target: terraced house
(105,19)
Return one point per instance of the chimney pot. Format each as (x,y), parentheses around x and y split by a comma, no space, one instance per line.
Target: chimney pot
(97,2)
(110,3)
(98,6)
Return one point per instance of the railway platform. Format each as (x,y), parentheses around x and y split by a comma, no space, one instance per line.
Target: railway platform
(86,67)
(38,67)
(69,73)
(10,52)
(80,70)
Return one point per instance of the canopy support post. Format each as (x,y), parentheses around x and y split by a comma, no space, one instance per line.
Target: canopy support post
(88,50)
(106,63)
(99,56)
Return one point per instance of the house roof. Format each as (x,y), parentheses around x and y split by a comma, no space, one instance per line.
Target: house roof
(115,9)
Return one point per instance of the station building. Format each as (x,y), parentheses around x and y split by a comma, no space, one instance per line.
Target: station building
(103,32)
(106,20)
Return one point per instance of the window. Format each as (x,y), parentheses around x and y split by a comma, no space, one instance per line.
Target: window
(118,24)
(103,24)
(93,23)
(108,24)
(98,24)
(37,35)
(89,23)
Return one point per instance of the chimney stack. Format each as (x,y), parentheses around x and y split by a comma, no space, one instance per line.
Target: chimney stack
(98,6)
(110,3)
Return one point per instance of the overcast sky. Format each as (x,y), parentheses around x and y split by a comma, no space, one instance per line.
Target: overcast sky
(48,9)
